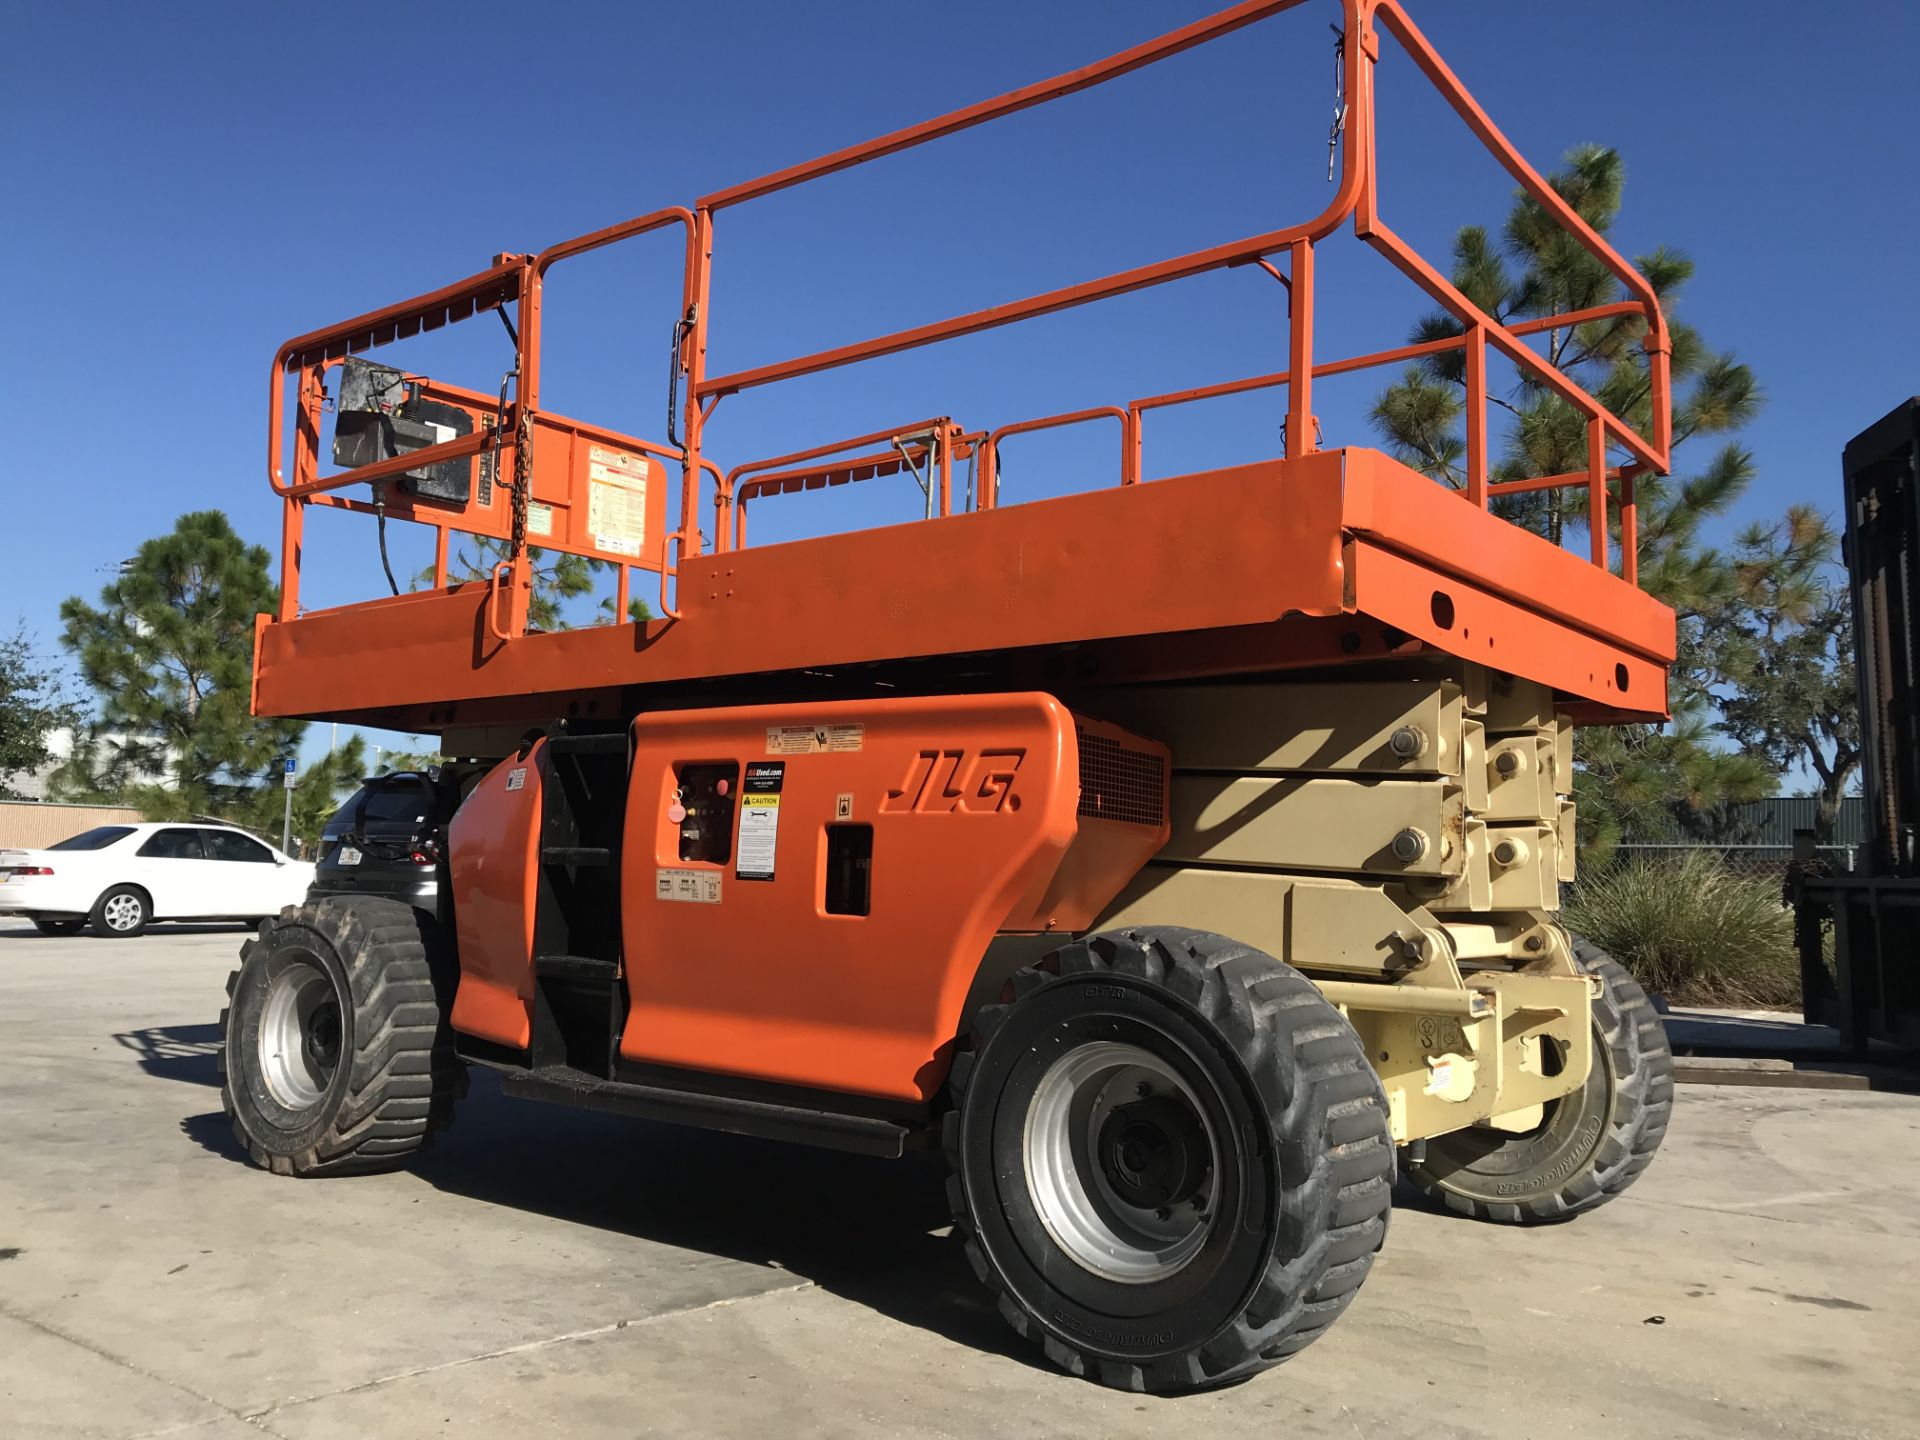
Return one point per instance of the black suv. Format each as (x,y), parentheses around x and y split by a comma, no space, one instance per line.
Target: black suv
(388,839)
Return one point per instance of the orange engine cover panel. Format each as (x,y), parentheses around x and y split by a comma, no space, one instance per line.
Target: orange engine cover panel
(755,836)
(494,858)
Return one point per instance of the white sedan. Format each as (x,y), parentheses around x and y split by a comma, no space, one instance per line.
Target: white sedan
(120,877)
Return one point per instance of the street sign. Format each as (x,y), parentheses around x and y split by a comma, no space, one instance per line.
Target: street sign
(286,818)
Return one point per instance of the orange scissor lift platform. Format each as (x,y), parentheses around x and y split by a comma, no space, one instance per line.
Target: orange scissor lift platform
(949,832)
(1332,558)
(1318,557)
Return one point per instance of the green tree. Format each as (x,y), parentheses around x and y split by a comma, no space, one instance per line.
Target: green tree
(1786,659)
(33,704)
(318,791)
(393,761)
(1635,780)
(557,578)
(168,654)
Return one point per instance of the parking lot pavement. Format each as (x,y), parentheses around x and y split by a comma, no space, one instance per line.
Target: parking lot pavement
(550,1272)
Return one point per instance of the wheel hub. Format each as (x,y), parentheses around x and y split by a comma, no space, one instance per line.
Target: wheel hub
(300,1034)
(1120,1162)
(1155,1153)
(320,1037)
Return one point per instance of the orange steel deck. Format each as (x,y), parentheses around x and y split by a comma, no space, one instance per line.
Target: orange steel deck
(1342,555)
(1318,558)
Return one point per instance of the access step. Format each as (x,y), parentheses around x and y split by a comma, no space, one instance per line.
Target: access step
(731,1114)
(594,855)
(575,967)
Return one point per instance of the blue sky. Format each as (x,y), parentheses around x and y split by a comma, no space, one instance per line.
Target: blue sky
(186,186)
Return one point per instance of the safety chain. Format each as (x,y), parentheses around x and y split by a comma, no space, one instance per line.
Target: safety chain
(522,481)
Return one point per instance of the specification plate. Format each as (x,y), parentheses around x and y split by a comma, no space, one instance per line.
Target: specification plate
(702,887)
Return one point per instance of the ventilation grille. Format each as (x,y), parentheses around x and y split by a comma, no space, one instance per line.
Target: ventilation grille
(1118,783)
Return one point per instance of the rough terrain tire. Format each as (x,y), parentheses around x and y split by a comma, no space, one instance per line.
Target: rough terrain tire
(121,913)
(1296,1199)
(60,927)
(393,1078)
(1591,1145)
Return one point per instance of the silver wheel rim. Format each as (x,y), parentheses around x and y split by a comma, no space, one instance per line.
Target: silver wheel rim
(299,1035)
(1122,1165)
(122,912)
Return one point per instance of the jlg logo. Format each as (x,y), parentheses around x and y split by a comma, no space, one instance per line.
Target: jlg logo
(941,782)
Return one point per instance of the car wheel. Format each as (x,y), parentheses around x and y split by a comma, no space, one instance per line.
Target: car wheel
(122,912)
(59,927)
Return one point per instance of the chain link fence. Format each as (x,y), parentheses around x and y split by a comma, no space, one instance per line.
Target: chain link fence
(1765,862)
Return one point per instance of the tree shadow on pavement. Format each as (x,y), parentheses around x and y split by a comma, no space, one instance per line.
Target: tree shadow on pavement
(188,1053)
(868,1230)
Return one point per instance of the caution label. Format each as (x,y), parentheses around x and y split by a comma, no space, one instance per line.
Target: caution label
(701,887)
(814,739)
(616,500)
(759,820)
(539,518)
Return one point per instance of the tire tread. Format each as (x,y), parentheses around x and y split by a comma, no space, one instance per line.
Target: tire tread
(1328,1119)
(1636,1039)
(404,1076)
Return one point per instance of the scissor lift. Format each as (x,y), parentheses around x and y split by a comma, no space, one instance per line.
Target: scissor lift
(1169,919)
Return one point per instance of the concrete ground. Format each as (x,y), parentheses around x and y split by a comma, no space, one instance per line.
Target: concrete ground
(550,1272)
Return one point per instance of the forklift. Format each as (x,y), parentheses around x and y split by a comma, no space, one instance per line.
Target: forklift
(1871,915)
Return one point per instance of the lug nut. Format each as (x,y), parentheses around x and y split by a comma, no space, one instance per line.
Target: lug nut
(1143,1089)
(1507,762)
(1509,852)
(1409,846)
(1408,742)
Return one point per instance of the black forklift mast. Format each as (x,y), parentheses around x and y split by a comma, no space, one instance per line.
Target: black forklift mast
(1874,991)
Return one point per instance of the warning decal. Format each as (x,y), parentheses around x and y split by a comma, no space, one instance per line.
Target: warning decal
(814,739)
(759,820)
(616,500)
(702,887)
(539,518)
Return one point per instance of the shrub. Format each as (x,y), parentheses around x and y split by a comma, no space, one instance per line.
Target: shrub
(1692,929)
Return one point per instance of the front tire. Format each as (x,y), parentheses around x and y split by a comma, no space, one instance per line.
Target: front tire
(1171,1158)
(121,913)
(336,1056)
(1590,1145)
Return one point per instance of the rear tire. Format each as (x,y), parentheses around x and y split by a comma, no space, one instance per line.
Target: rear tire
(121,913)
(1171,1158)
(336,1056)
(1592,1144)
(60,927)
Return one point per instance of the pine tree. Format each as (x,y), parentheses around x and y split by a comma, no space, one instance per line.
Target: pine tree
(557,578)
(1647,782)
(168,653)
